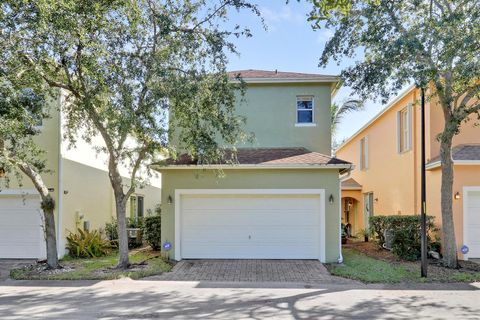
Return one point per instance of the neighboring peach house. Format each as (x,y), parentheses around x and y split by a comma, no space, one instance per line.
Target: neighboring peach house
(386,178)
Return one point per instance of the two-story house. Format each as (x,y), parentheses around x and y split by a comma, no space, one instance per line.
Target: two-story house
(282,199)
(79,184)
(386,179)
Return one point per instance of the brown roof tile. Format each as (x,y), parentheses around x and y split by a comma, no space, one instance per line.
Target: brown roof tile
(468,152)
(267,74)
(351,184)
(270,156)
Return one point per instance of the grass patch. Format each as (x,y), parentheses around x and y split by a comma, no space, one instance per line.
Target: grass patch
(101,268)
(358,266)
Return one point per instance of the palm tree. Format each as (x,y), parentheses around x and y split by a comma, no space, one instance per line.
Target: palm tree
(337,111)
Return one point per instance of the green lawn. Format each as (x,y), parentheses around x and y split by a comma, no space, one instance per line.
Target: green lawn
(360,267)
(97,268)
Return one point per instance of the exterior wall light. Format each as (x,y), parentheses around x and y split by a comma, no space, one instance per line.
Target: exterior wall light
(457,195)
(169,200)
(330,199)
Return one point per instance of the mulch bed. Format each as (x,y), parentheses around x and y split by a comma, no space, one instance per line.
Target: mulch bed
(435,268)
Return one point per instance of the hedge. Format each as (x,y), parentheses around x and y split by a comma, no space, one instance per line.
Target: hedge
(406,235)
(153,225)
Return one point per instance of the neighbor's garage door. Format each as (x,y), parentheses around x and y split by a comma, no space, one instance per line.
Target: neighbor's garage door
(21,233)
(472,223)
(250,226)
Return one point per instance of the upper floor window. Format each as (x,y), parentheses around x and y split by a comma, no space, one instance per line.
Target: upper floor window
(136,207)
(404,132)
(364,153)
(305,109)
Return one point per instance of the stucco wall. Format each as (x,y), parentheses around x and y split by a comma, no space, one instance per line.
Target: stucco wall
(390,175)
(255,179)
(464,176)
(88,192)
(271,115)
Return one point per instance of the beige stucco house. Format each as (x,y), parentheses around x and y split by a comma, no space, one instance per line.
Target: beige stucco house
(386,178)
(282,199)
(79,184)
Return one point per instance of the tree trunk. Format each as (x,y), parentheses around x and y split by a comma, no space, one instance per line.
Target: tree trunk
(123,262)
(48,204)
(449,241)
(120,204)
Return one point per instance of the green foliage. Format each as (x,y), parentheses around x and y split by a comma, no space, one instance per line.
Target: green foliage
(153,228)
(111,231)
(406,235)
(86,243)
(128,68)
(338,111)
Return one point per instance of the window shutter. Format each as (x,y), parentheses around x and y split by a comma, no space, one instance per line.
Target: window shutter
(366,152)
(399,131)
(410,124)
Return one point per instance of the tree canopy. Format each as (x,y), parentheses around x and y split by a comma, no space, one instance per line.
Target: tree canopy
(428,42)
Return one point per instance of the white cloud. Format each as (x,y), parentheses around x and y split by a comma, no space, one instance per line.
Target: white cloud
(323,35)
(273,18)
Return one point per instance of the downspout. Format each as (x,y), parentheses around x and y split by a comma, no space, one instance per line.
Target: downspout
(60,246)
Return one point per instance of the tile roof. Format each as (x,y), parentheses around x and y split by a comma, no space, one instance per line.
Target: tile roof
(269,157)
(463,152)
(351,184)
(274,74)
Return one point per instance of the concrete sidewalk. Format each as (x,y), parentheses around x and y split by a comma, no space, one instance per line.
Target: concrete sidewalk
(128,299)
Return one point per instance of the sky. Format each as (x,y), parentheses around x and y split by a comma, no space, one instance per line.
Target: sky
(290,44)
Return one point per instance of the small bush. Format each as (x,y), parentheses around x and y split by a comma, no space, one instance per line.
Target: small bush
(111,230)
(87,244)
(153,225)
(406,236)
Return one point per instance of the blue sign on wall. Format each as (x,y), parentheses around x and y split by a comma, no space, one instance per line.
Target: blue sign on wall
(167,246)
(464,249)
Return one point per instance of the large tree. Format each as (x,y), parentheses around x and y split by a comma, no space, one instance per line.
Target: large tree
(433,43)
(128,68)
(21,109)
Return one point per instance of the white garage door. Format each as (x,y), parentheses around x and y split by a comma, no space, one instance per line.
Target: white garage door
(21,234)
(472,222)
(247,226)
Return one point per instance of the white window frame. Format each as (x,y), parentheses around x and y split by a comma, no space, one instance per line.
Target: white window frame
(406,133)
(305,124)
(364,153)
(134,206)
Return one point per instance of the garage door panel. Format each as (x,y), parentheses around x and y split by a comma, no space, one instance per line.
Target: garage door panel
(21,233)
(472,225)
(246,252)
(246,219)
(282,236)
(250,226)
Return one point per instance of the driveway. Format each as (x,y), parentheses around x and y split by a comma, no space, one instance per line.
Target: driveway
(7,264)
(303,271)
(129,299)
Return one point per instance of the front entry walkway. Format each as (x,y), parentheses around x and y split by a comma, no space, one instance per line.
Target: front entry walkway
(308,271)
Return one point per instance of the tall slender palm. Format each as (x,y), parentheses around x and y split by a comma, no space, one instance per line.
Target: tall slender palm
(338,111)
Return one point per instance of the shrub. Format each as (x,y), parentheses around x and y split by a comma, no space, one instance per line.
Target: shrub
(111,230)
(405,230)
(86,244)
(153,226)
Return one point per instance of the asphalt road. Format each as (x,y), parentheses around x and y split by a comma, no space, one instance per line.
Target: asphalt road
(149,299)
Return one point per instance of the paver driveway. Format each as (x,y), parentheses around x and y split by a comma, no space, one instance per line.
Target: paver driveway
(308,271)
